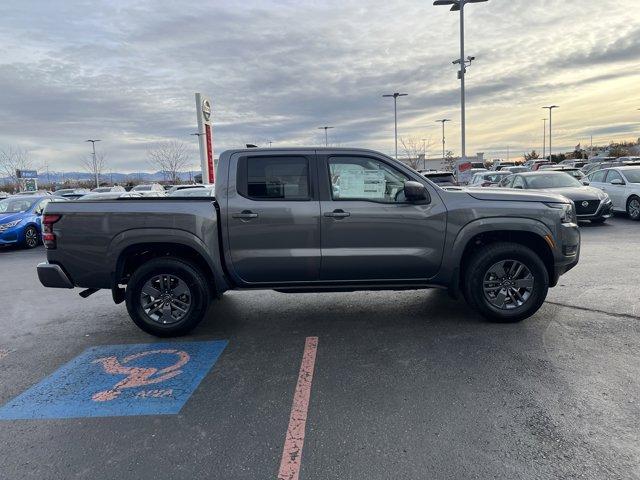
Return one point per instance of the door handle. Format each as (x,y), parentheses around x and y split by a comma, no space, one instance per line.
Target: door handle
(245,215)
(337,214)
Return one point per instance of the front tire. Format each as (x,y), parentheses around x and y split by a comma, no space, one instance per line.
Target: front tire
(506,282)
(30,239)
(167,297)
(633,208)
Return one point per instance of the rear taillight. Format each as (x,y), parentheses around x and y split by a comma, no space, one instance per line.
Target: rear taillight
(48,237)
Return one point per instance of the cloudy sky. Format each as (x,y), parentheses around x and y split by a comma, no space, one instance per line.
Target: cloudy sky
(126,72)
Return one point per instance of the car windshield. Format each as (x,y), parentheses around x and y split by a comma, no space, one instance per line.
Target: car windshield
(551,180)
(15,205)
(101,189)
(142,188)
(447,178)
(633,175)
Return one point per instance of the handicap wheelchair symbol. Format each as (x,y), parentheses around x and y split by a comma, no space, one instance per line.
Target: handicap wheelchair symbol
(138,376)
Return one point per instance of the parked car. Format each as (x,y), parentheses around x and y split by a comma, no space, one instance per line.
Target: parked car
(115,188)
(295,220)
(539,165)
(622,184)
(488,178)
(35,193)
(530,163)
(175,188)
(515,169)
(590,203)
(66,191)
(497,166)
(150,190)
(4,195)
(20,219)
(442,179)
(110,195)
(574,172)
(205,191)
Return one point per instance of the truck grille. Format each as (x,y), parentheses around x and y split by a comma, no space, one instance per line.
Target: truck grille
(586,207)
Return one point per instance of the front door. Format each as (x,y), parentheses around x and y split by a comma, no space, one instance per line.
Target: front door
(616,192)
(369,230)
(273,218)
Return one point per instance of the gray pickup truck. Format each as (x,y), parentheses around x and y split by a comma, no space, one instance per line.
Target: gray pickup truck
(312,220)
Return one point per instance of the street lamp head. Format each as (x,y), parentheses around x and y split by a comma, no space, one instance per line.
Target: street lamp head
(396,95)
(471,59)
(552,107)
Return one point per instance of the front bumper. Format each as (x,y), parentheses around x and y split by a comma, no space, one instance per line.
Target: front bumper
(569,251)
(52,275)
(10,236)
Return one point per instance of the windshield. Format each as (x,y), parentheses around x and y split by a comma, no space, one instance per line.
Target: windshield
(142,188)
(552,180)
(633,176)
(15,205)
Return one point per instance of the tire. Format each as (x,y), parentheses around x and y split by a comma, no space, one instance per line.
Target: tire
(598,220)
(633,207)
(30,238)
(175,296)
(489,263)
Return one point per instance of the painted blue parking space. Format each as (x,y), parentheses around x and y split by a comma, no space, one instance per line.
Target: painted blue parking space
(119,380)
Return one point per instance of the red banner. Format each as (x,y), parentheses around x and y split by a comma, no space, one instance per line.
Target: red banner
(212,174)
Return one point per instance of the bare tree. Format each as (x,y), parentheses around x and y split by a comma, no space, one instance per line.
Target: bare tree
(12,159)
(95,165)
(170,158)
(415,150)
(531,156)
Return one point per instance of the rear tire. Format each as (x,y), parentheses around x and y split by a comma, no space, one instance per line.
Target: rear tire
(167,297)
(633,207)
(505,282)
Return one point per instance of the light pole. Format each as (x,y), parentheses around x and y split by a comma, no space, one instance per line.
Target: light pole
(424,152)
(95,165)
(458,5)
(550,108)
(326,135)
(395,115)
(443,121)
(544,138)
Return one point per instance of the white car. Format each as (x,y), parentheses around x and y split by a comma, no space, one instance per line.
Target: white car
(623,186)
(150,190)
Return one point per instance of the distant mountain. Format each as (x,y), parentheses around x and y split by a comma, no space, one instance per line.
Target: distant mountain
(115,177)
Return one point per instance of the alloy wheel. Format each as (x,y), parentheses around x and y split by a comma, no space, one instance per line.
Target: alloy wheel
(508,284)
(165,299)
(31,237)
(634,208)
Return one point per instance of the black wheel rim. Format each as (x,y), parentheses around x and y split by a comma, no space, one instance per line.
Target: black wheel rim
(165,299)
(31,237)
(508,284)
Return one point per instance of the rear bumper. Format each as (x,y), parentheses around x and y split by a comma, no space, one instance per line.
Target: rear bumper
(52,275)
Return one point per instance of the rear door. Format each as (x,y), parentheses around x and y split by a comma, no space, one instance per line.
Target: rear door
(369,231)
(616,192)
(273,217)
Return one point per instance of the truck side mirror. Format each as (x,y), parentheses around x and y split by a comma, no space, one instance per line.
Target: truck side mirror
(416,192)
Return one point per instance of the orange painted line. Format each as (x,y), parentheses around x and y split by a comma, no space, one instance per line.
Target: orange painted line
(294,440)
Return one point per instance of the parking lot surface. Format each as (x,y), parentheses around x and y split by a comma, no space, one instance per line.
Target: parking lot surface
(403,385)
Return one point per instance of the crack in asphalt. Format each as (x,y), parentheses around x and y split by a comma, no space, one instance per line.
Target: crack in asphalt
(595,310)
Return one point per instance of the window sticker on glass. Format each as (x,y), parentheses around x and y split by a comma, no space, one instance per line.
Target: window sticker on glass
(361,183)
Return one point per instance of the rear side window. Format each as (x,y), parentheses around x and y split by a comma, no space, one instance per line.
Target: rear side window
(274,178)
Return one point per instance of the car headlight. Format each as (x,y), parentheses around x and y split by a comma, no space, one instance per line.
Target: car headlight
(10,224)
(603,196)
(568,212)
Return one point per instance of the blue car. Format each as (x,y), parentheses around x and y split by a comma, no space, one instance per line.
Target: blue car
(21,220)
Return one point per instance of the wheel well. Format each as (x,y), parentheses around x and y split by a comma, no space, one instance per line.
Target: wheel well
(529,239)
(134,256)
(633,195)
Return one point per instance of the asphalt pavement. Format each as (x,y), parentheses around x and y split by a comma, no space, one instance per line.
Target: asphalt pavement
(406,385)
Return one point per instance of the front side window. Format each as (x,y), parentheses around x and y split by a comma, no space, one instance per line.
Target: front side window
(598,176)
(363,178)
(277,178)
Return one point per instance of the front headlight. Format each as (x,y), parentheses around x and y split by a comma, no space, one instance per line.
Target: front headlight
(10,224)
(604,196)
(568,212)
